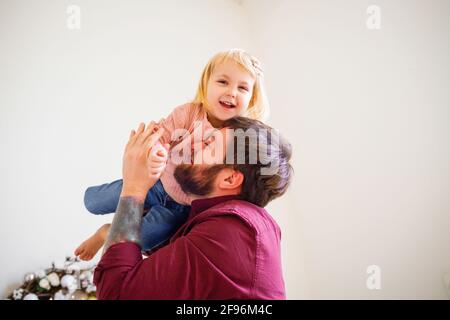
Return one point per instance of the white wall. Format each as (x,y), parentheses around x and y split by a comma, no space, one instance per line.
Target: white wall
(368,114)
(69,98)
(366,111)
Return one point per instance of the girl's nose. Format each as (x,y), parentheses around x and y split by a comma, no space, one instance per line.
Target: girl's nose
(232,92)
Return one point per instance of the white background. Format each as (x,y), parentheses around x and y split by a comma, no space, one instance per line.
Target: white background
(367,113)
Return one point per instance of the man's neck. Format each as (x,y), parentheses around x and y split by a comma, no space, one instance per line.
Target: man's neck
(218,193)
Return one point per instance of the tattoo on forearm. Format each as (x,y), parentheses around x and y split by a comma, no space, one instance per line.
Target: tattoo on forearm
(126,225)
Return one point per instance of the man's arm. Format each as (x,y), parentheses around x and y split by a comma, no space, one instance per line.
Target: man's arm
(142,167)
(140,172)
(126,225)
(211,261)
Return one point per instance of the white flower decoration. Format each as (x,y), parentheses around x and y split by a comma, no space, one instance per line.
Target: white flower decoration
(85,275)
(91,288)
(59,295)
(17,294)
(74,268)
(44,284)
(31,296)
(53,278)
(84,283)
(69,282)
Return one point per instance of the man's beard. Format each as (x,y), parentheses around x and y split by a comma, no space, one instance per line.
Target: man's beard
(197,179)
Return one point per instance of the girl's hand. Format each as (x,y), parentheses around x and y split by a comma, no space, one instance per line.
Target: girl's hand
(157,160)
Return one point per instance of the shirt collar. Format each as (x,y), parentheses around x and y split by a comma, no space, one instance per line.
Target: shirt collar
(200,205)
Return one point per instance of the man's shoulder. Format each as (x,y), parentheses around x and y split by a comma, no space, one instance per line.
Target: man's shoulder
(255,217)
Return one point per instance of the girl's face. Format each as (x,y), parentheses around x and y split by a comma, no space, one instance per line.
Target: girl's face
(229,90)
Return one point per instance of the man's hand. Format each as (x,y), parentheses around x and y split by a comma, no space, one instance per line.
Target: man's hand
(141,168)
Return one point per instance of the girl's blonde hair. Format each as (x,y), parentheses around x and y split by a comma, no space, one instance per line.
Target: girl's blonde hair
(258,107)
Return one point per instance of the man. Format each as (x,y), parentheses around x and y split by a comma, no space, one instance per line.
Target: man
(229,248)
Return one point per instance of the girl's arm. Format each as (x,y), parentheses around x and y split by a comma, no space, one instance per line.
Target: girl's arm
(176,124)
(104,199)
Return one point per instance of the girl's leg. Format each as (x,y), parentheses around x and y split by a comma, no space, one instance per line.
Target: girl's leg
(104,199)
(89,248)
(160,223)
(156,227)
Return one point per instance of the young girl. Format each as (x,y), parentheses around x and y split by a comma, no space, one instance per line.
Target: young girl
(230,85)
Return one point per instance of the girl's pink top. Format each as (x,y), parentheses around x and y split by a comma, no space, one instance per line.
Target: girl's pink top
(178,131)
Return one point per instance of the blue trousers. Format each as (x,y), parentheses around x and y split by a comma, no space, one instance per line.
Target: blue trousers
(164,217)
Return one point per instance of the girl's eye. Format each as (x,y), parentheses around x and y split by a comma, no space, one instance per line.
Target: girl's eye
(244,88)
(222,81)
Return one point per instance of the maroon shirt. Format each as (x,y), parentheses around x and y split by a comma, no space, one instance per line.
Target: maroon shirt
(227,249)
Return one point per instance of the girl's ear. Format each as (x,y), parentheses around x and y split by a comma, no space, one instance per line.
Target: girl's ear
(231,179)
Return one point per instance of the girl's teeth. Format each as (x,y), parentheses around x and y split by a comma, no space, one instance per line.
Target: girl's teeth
(227,103)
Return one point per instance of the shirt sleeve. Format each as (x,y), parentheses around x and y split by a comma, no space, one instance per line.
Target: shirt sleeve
(214,255)
(175,124)
(113,267)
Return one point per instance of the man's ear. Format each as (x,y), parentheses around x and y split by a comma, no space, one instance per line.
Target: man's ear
(231,179)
